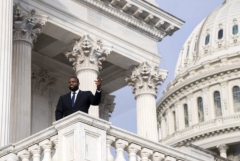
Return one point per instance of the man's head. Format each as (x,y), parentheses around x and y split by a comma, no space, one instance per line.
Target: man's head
(73,83)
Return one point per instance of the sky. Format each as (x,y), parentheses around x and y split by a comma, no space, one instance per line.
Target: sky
(192,12)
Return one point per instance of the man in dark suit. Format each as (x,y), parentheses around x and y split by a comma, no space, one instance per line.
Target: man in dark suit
(77,100)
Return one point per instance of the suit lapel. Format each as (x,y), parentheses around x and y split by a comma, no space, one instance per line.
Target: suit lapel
(78,97)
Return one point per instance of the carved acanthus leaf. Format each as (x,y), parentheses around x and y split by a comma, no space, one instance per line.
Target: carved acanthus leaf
(87,53)
(26,25)
(42,80)
(106,106)
(146,78)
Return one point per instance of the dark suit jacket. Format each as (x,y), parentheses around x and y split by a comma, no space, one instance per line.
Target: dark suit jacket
(82,103)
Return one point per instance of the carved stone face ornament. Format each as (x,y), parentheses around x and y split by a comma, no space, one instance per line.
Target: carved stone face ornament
(86,46)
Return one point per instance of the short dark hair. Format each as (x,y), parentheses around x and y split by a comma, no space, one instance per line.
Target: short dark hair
(75,78)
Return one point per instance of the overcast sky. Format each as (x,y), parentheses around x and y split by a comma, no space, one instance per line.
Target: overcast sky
(192,12)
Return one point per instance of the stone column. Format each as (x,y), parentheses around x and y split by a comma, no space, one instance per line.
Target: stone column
(170,121)
(145,78)
(206,104)
(181,120)
(224,96)
(26,27)
(106,106)
(177,115)
(86,57)
(5,68)
(223,150)
(190,109)
(163,128)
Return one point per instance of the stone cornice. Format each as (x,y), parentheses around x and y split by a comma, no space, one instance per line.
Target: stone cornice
(194,83)
(139,15)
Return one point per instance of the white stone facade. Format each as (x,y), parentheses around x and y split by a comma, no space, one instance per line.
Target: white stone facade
(53,40)
(203,97)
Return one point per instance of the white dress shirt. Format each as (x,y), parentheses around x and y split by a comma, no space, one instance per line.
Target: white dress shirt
(76,93)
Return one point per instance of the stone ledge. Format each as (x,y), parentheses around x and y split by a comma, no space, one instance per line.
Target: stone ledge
(139,15)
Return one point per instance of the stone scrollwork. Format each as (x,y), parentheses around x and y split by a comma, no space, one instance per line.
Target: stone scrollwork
(87,54)
(26,25)
(145,78)
(42,81)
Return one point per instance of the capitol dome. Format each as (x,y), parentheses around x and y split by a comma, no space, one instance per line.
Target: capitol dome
(212,38)
(201,106)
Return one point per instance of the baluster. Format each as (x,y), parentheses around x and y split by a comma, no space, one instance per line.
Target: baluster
(110,140)
(120,145)
(24,155)
(36,152)
(168,158)
(145,154)
(47,146)
(132,151)
(54,139)
(158,157)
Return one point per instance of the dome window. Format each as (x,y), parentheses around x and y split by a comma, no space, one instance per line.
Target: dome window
(186,121)
(207,39)
(236,98)
(217,104)
(220,34)
(235,30)
(174,121)
(200,109)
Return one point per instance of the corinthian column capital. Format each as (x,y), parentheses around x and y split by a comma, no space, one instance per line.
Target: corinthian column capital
(26,24)
(106,106)
(88,54)
(145,78)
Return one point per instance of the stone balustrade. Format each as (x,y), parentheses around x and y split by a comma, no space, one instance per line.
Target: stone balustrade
(203,129)
(82,137)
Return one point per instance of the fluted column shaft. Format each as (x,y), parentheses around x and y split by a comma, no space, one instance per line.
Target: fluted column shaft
(21,90)
(145,78)
(163,128)
(87,78)
(5,68)
(26,28)
(146,116)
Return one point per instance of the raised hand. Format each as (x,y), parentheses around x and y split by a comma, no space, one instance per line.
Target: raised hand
(98,83)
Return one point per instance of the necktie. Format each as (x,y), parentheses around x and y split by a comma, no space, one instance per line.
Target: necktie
(73,98)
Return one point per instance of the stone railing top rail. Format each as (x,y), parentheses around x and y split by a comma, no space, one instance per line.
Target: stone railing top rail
(139,14)
(98,123)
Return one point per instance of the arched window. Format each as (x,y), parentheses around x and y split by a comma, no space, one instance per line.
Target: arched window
(174,121)
(236,98)
(207,39)
(220,34)
(186,115)
(200,109)
(217,104)
(235,30)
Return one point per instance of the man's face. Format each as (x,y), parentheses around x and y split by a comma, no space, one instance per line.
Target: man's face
(73,84)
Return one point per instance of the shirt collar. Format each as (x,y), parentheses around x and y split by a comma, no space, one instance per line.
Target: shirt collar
(76,92)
